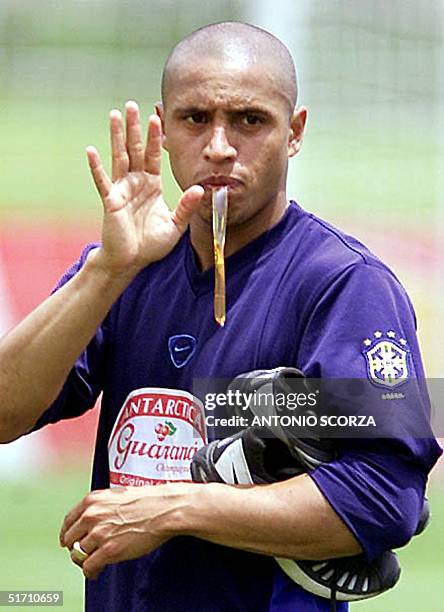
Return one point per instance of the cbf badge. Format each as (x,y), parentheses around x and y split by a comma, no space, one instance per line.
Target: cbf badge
(387,359)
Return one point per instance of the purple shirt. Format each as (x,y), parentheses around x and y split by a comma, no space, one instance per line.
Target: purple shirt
(302,294)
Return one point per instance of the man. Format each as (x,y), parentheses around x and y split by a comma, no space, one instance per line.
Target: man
(138,311)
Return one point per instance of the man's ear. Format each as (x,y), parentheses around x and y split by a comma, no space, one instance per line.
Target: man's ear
(297,125)
(160,112)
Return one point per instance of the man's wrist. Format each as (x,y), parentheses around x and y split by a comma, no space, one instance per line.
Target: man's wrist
(108,277)
(184,506)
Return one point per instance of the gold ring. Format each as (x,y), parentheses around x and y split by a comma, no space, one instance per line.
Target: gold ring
(78,552)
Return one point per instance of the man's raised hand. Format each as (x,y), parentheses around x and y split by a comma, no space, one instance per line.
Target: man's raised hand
(138,228)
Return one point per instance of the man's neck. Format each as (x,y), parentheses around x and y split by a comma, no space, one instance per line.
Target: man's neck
(237,235)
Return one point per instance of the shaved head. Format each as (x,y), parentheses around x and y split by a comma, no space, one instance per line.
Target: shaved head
(233,43)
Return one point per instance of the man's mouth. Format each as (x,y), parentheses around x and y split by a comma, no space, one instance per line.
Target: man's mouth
(216,180)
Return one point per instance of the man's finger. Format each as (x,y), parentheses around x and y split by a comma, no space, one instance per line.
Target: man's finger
(134,143)
(70,519)
(94,563)
(100,178)
(153,150)
(75,533)
(188,204)
(119,154)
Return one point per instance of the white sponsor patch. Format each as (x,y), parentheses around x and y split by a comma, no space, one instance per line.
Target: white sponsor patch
(155,436)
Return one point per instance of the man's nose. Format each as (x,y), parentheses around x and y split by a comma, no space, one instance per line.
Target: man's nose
(219,148)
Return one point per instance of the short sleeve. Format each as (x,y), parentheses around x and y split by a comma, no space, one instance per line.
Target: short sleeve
(365,302)
(363,327)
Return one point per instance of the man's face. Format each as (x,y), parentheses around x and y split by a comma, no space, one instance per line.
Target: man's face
(227,124)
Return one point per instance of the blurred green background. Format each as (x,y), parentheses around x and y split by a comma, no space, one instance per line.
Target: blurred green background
(371,75)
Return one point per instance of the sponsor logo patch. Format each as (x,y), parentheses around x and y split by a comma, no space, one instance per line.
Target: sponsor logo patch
(386,358)
(155,436)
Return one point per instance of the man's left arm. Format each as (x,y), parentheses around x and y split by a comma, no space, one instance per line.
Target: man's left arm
(289,519)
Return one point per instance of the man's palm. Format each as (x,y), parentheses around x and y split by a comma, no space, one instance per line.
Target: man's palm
(138,227)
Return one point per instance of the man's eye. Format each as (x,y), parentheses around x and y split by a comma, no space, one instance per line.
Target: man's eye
(250,119)
(196,118)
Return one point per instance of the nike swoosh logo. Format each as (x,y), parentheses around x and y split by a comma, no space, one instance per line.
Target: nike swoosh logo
(179,349)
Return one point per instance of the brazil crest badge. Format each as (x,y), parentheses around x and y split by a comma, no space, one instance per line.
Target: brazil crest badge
(387,359)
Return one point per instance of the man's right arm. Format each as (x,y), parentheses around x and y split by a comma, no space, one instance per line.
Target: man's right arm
(37,356)
(138,229)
